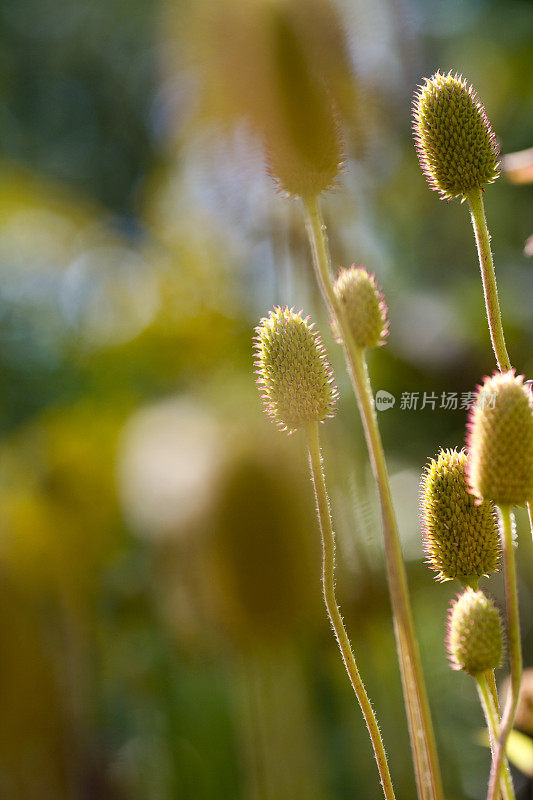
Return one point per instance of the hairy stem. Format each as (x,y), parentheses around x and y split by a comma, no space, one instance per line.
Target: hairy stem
(486,696)
(328,585)
(488,277)
(515,648)
(427,770)
(491,681)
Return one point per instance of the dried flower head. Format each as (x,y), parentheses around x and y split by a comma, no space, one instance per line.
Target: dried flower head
(474,638)
(364,306)
(293,370)
(460,536)
(455,142)
(500,441)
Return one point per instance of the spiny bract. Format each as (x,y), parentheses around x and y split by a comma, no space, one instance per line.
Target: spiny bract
(474,639)
(364,307)
(293,371)
(500,441)
(456,145)
(460,536)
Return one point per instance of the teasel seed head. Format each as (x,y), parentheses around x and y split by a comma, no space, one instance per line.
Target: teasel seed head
(303,137)
(456,145)
(364,307)
(293,371)
(474,638)
(500,441)
(461,538)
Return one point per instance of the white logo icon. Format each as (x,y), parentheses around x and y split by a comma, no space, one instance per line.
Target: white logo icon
(384,400)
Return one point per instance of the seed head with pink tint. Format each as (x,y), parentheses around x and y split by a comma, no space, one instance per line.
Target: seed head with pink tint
(500,441)
(293,371)
(460,536)
(456,145)
(364,308)
(474,638)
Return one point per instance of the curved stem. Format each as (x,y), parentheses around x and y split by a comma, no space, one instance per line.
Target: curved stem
(328,585)
(515,649)
(490,290)
(493,724)
(421,732)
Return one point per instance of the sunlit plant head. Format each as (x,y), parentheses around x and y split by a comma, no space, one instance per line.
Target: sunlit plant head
(302,138)
(500,441)
(474,637)
(293,371)
(456,145)
(364,307)
(284,67)
(460,536)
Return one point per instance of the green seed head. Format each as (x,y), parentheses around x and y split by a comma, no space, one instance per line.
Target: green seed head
(294,374)
(460,536)
(455,142)
(500,441)
(364,307)
(303,139)
(474,638)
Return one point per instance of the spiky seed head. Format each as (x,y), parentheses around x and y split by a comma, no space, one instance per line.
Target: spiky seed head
(460,536)
(364,306)
(293,371)
(303,138)
(474,638)
(456,145)
(500,441)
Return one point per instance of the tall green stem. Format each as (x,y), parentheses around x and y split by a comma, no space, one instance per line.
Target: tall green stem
(421,732)
(515,648)
(488,277)
(492,717)
(328,585)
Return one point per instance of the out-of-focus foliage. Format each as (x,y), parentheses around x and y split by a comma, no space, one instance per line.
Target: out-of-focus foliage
(162,629)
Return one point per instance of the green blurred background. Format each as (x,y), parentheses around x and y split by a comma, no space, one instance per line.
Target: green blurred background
(162,633)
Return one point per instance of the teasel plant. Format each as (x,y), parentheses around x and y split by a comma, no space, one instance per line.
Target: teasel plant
(461,541)
(474,642)
(299,392)
(305,157)
(459,156)
(500,442)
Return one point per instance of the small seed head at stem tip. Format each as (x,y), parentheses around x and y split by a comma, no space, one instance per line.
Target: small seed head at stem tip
(364,307)
(456,145)
(474,638)
(293,371)
(460,536)
(500,441)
